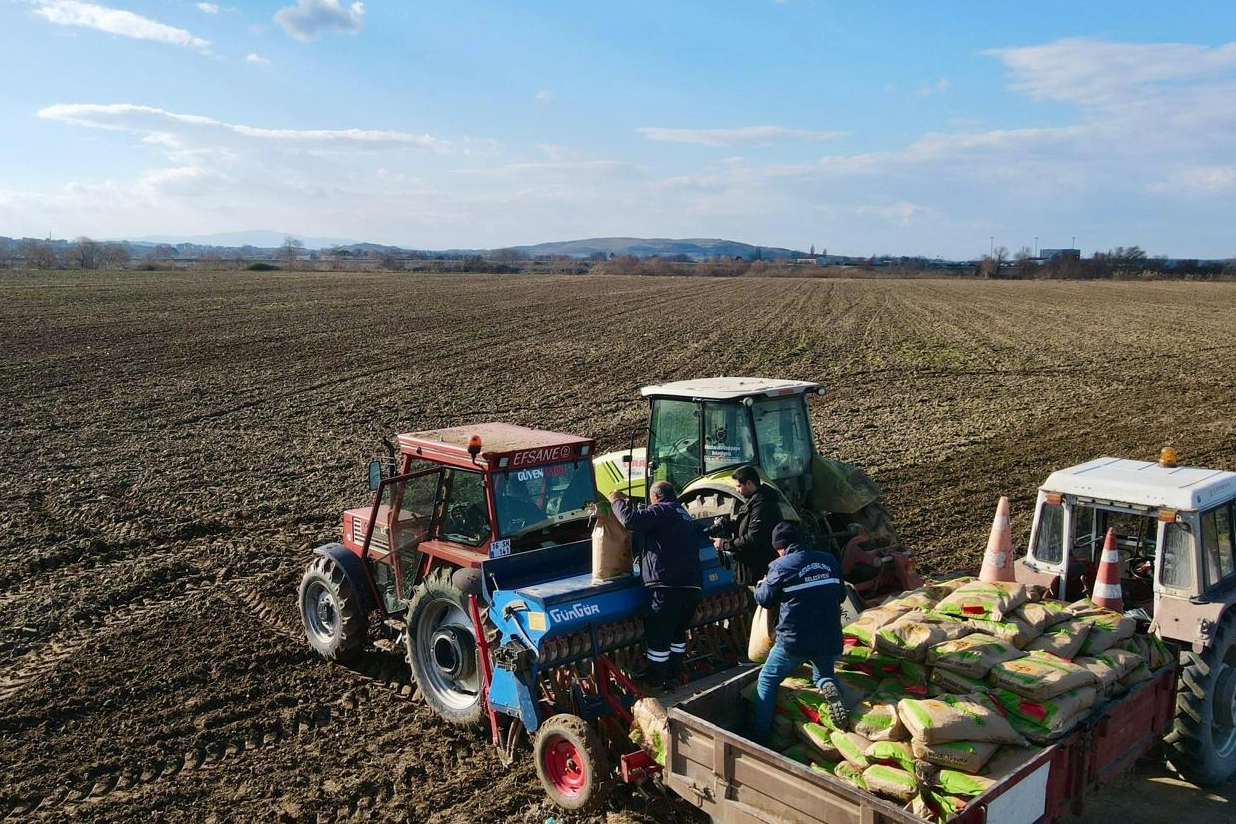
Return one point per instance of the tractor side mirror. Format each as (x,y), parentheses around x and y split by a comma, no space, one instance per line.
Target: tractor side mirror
(375,474)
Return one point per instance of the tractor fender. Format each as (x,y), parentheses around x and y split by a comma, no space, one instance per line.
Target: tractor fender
(1191,623)
(354,570)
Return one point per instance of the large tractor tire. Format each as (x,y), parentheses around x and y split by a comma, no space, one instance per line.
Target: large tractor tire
(1202,742)
(571,762)
(330,611)
(442,651)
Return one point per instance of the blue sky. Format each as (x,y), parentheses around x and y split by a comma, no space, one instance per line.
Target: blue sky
(912,128)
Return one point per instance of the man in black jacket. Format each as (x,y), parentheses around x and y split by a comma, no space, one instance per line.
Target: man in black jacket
(671,570)
(751,550)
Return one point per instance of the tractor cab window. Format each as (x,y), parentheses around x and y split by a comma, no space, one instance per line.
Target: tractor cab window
(783,436)
(1176,568)
(1136,533)
(464,514)
(524,498)
(1049,533)
(1217,544)
(728,441)
(674,442)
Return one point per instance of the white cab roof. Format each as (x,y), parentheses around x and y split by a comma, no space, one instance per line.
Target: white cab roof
(1148,484)
(723,388)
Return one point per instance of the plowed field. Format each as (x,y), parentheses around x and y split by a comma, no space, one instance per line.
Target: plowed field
(175,444)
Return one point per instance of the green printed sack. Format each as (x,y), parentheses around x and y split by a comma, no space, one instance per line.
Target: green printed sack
(911,635)
(861,684)
(800,753)
(890,782)
(877,722)
(806,705)
(967,756)
(955,782)
(1042,734)
(893,753)
(1136,675)
(853,748)
(991,600)
(857,658)
(850,774)
(1040,676)
(1046,713)
(956,683)
(973,655)
(869,622)
(1040,615)
(1109,666)
(1064,640)
(1107,629)
(955,718)
(935,806)
(1151,648)
(819,738)
(1012,630)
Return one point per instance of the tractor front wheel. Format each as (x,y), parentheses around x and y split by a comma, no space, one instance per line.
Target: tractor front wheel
(334,622)
(571,762)
(442,651)
(1202,742)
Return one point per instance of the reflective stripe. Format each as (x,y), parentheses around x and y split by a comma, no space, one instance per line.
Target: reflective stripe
(678,648)
(1102,590)
(658,657)
(820,583)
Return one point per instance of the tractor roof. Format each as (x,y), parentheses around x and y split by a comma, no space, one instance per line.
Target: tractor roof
(518,445)
(728,388)
(1144,483)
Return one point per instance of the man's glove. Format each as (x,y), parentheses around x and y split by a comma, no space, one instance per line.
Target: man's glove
(726,558)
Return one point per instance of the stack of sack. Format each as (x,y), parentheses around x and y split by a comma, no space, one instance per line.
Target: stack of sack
(957,683)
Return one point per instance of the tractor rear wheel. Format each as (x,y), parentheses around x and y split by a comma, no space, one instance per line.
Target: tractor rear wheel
(334,622)
(1202,742)
(571,762)
(442,651)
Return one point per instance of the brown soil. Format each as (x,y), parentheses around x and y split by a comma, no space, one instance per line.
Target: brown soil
(175,445)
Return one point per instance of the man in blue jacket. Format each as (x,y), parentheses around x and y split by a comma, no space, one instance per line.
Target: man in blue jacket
(805,587)
(671,571)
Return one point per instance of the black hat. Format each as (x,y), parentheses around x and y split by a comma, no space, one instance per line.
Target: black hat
(784,534)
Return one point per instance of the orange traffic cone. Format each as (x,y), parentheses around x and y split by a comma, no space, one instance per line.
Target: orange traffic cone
(998,559)
(1107,592)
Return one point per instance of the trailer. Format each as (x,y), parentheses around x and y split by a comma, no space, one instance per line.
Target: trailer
(712,765)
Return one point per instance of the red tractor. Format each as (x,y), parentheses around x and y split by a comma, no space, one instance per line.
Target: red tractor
(457,497)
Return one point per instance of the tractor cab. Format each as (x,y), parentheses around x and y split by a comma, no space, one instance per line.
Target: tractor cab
(708,427)
(1174,533)
(464,494)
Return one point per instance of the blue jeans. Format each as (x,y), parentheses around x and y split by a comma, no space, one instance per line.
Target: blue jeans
(779,665)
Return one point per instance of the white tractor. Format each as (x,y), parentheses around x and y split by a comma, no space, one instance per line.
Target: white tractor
(1176,538)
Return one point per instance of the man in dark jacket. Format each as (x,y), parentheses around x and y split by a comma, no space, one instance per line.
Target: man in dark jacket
(750,551)
(671,571)
(805,587)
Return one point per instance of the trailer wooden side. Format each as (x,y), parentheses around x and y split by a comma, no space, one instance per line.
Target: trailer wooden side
(735,781)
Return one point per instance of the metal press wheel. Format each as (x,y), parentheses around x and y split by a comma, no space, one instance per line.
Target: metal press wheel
(571,762)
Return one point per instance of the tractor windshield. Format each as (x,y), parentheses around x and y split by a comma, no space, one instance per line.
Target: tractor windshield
(523,497)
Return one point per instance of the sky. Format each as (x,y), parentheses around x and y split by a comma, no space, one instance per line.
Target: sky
(936,129)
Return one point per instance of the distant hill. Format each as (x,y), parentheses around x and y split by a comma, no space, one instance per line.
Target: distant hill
(260,238)
(693,248)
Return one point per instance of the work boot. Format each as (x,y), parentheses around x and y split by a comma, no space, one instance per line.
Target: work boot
(674,675)
(653,677)
(837,713)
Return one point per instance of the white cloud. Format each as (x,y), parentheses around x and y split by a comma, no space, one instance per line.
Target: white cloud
(115,21)
(745,136)
(257,58)
(1197,180)
(186,130)
(308,18)
(208,8)
(544,96)
(939,87)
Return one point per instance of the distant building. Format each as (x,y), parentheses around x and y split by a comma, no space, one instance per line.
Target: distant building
(1052,254)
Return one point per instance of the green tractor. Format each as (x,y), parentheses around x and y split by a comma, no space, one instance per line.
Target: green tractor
(701,430)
